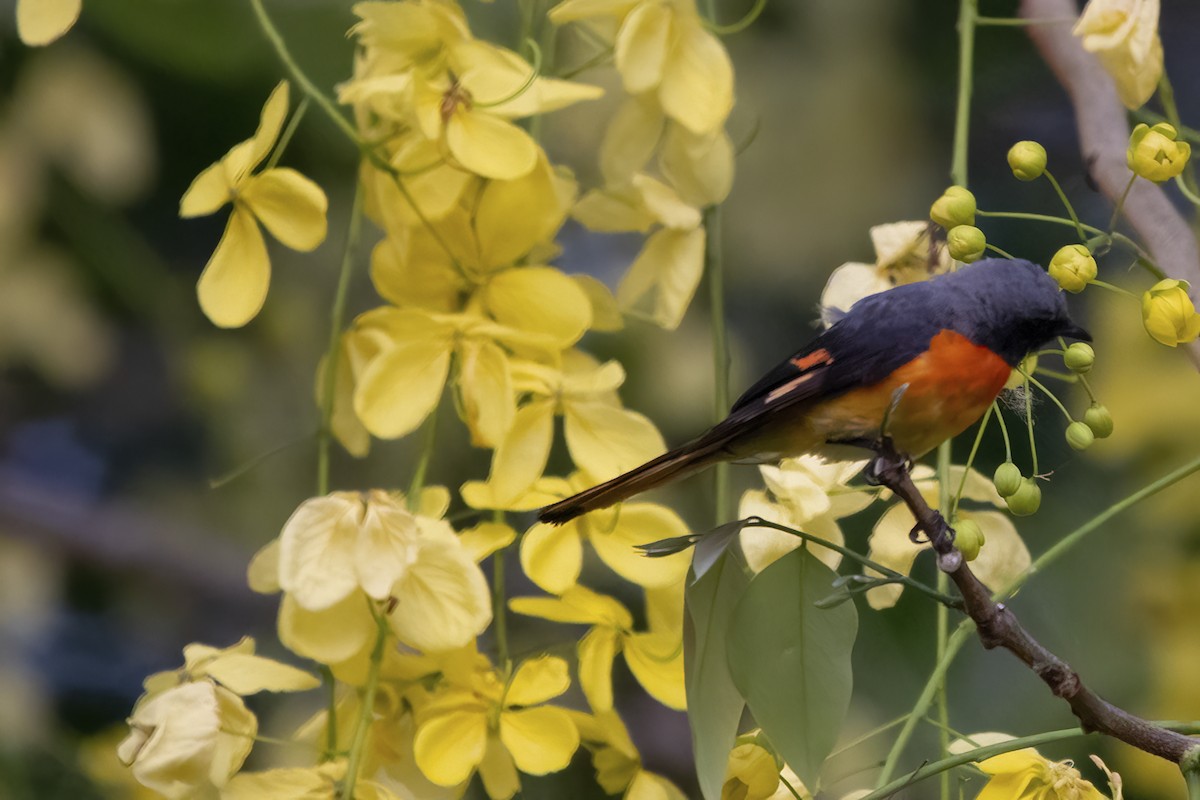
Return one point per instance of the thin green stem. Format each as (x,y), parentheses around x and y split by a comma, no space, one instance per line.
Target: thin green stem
(995,249)
(968,14)
(737,27)
(1120,206)
(1166,95)
(499,602)
(1067,204)
(1113,288)
(594,61)
(1049,394)
(1144,257)
(1022,22)
(288,133)
(1187,192)
(943,613)
(534,73)
(330,715)
(337,316)
(962,484)
(790,788)
(367,713)
(242,469)
(419,474)
(715,271)
(1003,431)
(889,573)
(871,734)
(1029,424)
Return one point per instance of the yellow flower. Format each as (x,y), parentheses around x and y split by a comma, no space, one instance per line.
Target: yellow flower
(655,657)
(1027,775)
(807,493)
(293,783)
(618,764)
(905,252)
(1155,153)
(234,283)
(603,438)
(1074,267)
(662,47)
(1001,559)
(668,269)
(337,551)
(187,739)
(1124,36)
(1168,313)
(40,22)
(421,69)
(236,668)
(552,555)
(497,729)
(755,774)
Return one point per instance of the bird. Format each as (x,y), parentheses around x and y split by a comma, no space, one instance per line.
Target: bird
(919,363)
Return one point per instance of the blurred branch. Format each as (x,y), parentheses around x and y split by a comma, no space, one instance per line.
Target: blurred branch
(1103,127)
(999,627)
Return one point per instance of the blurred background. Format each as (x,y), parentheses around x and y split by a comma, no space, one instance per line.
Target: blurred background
(145,455)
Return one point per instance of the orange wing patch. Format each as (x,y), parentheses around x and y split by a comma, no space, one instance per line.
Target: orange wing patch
(813,359)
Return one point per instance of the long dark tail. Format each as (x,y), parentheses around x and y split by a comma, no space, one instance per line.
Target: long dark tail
(668,467)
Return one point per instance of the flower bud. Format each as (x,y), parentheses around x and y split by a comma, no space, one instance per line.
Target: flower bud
(1027,160)
(1073,267)
(1080,436)
(1079,357)
(966,243)
(1099,420)
(969,538)
(955,207)
(1155,154)
(1007,479)
(1168,313)
(1027,499)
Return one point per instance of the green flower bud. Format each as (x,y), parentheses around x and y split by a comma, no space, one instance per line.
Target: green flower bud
(1027,499)
(1073,267)
(1027,160)
(1155,154)
(1079,357)
(968,537)
(1099,420)
(1007,479)
(1080,436)
(955,207)
(966,243)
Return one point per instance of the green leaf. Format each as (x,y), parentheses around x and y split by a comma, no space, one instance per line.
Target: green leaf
(791,660)
(714,703)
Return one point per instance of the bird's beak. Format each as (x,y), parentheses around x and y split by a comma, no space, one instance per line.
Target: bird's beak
(1073,331)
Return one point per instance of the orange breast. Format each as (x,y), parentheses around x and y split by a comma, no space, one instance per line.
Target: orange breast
(949,387)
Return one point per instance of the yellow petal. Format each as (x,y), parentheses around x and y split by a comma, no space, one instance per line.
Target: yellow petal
(40,22)
(443,601)
(606,314)
(497,770)
(485,385)
(486,538)
(609,211)
(665,204)
(401,387)
(174,738)
(669,267)
(385,546)
(848,284)
(262,574)
(552,556)
(209,191)
(344,423)
(1004,556)
(637,524)
(289,205)
(642,45)
(243,674)
(699,167)
(537,680)
(578,605)
(449,746)
(891,547)
(630,140)
(541,300)
(241,160)
(514,215)
(316,550)
(541,740)
(606,441)
(656,660)
(500,79)
(490,146)
(332,636)
(697,81)
(521,457)
(1013,762)
(417,273)
(233,286)
(569,10)
(649,786)
(597,650)
(291,783)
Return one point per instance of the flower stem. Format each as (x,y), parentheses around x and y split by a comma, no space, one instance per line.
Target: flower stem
(1003,431)
(1067,204)
(1029,424)
(1049,394)
(968,15)
(1120,206)
(333,351)
(288,133)
(737,27)
(962,484)
(1113,288)
(714,269)
(499,610)
(1143,257)
(367,712)
(418,479)
(995,249)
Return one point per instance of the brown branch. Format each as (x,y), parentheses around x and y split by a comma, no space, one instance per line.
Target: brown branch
(1103,126)
(999,627)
